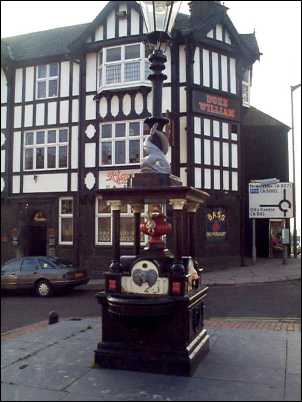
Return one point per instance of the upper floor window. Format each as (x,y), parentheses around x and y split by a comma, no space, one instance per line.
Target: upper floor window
(121,143)
(46,149)
(47,81)
(122,65)
(246,86)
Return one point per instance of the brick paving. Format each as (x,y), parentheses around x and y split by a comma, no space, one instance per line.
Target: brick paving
(252,324)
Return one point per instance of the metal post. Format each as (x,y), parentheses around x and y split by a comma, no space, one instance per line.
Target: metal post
(254,252)
(292,88)
(284,251)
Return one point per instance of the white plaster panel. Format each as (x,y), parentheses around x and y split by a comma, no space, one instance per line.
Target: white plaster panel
(40,114)
(207,178)
(90,108)
(182,64)
(234,181)
(4,87)
(139,103)
(74,182)
(219,32)
(184,176)
(17,151)
(216,129)
(182,99)
(99,33)
(215,70)
(3,139)
(210,34)
(206,67)
(65,67)
(234,156)
(126,104)
(227,38)
(75,79)
(224,73)
(45,183)
(90,154)
(197,66)
(166,104)
(216,153)
(183,139)
(134,22)
(4,116)
(17,116)
(28,118)
(197,150)
(197,125)
(52,113)
(104,107)
(91,60)
(226,180)
(75,110)
(18,85)
(197,177)
(149,102)
(122,22)
(3,161)
(167,71)
(29,84)
(16,184)
(111,25)
(114,106)
(207,152)
(207,127)
(225,130)
(74,147)
(64,110)
(216,179)
(233,75)
(225,154)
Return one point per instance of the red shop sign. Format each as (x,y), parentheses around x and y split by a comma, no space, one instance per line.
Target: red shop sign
(218,106)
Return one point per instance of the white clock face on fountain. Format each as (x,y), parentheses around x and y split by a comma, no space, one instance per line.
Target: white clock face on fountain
(145,279)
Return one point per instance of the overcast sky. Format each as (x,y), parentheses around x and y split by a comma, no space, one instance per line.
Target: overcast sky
(278,31)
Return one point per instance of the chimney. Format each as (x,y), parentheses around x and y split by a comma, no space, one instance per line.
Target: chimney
(201,9)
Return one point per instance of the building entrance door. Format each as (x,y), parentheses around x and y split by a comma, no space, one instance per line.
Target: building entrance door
(37,240)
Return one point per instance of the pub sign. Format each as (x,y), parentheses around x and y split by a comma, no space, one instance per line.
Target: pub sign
(216,105)
(216,224)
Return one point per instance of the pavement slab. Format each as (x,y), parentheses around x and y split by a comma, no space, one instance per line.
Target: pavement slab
(242,365)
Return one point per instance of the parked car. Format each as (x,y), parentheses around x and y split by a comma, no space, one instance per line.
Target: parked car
(42,274)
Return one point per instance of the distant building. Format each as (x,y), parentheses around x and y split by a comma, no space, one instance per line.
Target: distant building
(73,102)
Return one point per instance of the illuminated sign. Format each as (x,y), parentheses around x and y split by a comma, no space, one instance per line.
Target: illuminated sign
(218,106)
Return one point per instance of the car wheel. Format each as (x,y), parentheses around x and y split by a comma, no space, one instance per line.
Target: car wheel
(43,288)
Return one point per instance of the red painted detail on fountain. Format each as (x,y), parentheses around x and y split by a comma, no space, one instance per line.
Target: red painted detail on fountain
(155,227)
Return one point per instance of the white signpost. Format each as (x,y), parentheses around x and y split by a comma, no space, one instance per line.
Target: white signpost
(269,199)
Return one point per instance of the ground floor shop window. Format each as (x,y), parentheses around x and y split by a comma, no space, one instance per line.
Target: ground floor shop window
(65,221)
(103,224)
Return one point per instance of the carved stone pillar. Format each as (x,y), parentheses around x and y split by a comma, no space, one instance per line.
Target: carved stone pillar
(137,209)
(116,249)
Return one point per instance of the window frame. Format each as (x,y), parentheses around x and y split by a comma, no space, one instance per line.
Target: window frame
(247,85)
(62,216)
(47,79)
(45,145)
(102,67)
(113,140)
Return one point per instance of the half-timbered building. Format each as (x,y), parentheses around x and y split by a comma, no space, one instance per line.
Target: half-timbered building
(73,104)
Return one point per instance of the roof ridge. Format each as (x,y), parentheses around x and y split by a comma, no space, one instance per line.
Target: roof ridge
(46,30)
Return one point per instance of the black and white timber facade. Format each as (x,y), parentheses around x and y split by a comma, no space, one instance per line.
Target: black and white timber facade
(73,103)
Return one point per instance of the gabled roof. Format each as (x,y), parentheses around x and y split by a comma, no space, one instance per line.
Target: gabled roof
(53,42)
(256,118)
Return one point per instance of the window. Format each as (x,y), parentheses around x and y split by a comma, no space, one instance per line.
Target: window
(65,221)
(122,65)
(104,224)
(121,143)
(29,265)
(246,85)
(46,149)
(11,266)
(47,81)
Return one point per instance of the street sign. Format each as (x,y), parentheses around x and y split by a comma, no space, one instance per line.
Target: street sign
(270,200)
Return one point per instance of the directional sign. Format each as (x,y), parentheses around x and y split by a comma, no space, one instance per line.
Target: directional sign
(270,200)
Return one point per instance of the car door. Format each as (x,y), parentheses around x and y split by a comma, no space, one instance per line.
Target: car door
(9,274)
(29,272)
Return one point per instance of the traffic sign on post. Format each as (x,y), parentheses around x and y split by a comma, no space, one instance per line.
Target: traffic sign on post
(268,201)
